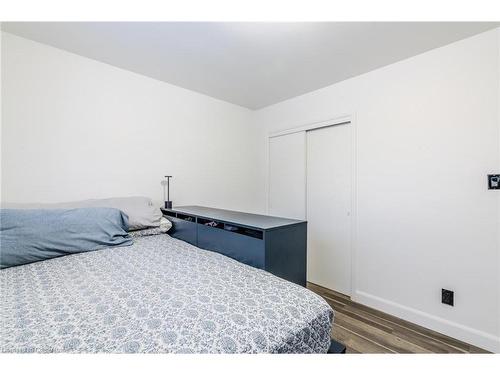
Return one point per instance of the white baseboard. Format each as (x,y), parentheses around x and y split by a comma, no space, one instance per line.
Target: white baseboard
(464,333)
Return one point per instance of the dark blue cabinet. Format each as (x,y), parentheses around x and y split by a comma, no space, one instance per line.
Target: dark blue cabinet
(277,245)
(246,249)
(184,230)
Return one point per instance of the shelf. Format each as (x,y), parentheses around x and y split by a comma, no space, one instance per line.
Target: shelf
(244,231)
(186,217)
(211,223)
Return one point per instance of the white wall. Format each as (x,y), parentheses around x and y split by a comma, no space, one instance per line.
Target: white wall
(427,134)
(1,127)
(76,128)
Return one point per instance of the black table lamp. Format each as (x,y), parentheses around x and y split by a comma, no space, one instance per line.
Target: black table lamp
(168,202)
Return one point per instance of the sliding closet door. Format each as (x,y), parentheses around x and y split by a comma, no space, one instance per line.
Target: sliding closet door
(329,207)
(287,175)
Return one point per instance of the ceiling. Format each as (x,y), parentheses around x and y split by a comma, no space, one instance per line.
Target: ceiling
(250,64)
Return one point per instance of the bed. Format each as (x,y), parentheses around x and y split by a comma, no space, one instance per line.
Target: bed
(159,295)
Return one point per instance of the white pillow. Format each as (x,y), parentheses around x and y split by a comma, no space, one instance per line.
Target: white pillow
(164,227)
(141,211)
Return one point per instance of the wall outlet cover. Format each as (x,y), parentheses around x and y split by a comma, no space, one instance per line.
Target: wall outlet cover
(447,297)
(494,181)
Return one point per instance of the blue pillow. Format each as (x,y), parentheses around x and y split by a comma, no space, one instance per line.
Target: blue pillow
(31,235)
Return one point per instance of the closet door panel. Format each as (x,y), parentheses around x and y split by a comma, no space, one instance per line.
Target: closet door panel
(287,175)
(329,207)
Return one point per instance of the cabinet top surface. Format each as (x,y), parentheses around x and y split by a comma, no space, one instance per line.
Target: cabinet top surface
(236,217)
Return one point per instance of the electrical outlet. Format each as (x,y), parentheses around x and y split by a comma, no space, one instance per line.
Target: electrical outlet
(494,181)
(447,297)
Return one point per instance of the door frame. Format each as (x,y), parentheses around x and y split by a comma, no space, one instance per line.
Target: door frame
(340,120)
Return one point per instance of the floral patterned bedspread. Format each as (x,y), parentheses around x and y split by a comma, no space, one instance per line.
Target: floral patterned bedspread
(160,295)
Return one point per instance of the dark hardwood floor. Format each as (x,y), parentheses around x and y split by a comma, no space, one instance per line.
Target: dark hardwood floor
(365,330)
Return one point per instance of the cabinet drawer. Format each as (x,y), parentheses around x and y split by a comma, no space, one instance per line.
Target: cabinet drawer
(246,249)
(183,230)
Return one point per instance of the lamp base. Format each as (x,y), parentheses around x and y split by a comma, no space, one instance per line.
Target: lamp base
(168,204)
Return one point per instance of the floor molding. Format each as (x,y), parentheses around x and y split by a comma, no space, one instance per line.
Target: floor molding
(461,332)
(365,329)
